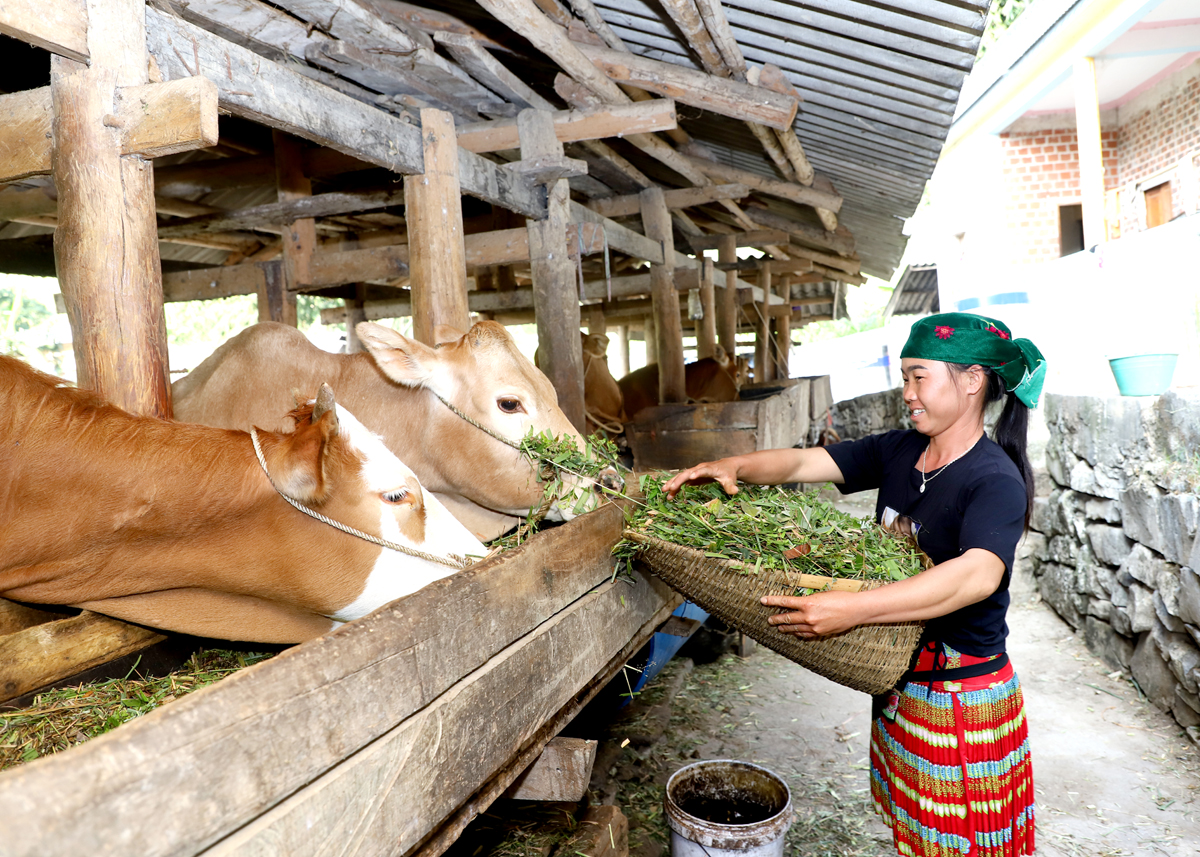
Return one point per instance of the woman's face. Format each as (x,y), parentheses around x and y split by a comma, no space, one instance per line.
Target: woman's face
(936,399)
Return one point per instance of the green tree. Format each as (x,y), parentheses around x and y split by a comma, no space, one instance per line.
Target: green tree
(1000,17)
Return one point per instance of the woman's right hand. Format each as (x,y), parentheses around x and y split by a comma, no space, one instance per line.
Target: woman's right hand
(723,471)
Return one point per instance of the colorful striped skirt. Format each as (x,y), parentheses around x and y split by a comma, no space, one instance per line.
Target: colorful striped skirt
(951,773)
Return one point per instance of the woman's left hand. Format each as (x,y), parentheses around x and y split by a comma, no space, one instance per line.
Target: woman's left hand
(816,615)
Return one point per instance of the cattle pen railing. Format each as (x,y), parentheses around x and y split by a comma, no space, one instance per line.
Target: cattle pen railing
(388,735)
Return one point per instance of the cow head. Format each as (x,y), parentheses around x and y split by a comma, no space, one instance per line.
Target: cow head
(483,374)
(333,463)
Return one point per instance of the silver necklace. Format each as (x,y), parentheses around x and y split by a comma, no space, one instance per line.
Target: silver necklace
(925,454)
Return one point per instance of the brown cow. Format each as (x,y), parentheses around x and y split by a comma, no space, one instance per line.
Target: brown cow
(713,379)
(394,388)
(603,402)
(179,527)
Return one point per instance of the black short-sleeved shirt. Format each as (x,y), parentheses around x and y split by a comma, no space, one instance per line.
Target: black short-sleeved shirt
(977,501)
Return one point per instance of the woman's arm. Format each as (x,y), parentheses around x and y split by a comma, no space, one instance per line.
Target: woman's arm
(940,590)
(765,467)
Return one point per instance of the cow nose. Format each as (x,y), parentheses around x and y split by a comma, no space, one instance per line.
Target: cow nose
(610,481)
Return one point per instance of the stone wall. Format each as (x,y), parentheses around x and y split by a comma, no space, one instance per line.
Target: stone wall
(1114,546)
(870,414)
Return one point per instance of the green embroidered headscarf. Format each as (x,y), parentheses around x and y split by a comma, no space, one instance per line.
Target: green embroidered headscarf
(963,337)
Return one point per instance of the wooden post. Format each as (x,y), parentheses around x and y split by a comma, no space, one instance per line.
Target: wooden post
(762,324)
(433,215)
(275,302)
(106,240)
(1091,158)
(622,368)
(595,320)
(656,221)
(555,296)
(355,312)
(650,338)
(727,302)
(706,330)
(783,331)
(299,238)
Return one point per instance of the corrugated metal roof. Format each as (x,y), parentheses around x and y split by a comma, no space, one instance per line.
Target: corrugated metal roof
(879,83)
(916,292)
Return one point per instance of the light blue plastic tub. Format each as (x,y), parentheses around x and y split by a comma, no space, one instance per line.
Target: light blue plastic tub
(1143,374)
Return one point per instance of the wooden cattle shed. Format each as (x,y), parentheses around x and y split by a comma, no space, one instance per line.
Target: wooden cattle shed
(563,162)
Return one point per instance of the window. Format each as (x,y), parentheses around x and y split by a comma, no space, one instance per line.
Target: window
(1158,205)
(1070,229)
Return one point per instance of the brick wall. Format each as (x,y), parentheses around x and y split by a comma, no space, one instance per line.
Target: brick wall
(1041,173)
(1151,135)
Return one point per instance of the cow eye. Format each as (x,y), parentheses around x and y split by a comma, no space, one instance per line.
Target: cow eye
(396,497)
(511,406)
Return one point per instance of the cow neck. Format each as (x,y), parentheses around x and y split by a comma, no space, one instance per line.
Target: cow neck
(454,561)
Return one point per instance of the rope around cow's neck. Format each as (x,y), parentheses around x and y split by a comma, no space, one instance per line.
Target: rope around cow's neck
(453,561)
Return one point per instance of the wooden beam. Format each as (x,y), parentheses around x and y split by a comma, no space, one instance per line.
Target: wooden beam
(620,237)
(433,214)
(266,92)
(699,89)
(469,53)
(1090,149)
(824,261)
(755,238)
(155,119)
(51,651)
(60,27)
(269,217)
(105,243)
(555,301)
(763,359)
(623,206)
(574,125)
(840,242)
(811,196)
(560,773)
(369,264)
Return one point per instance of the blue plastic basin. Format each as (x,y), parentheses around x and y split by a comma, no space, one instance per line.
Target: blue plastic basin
(1143,374)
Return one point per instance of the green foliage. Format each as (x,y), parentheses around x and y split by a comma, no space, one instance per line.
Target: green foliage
(1001,16)
(27,322)
(766,527)
(213,320)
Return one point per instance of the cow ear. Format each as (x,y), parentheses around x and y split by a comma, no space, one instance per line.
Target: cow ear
(443,333)
(406,361)
(299,462)
(720,354)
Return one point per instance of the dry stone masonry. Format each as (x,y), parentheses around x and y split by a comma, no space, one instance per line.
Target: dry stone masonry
(1114,545)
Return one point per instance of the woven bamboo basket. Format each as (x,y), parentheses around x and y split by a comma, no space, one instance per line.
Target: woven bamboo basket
(870,658)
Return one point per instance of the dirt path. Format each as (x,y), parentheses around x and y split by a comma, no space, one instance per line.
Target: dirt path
(1113,775)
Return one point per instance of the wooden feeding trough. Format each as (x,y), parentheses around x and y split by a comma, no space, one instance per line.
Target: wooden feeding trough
(389,734)
(670,437)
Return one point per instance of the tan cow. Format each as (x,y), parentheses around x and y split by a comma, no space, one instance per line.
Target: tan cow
(713,379)
(603,402)
(394,387)
(179,527)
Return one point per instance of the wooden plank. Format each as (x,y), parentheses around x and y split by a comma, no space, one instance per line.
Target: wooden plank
(231,752)
(155,119)
(574,125)
(699,89)
(469,53)
(555,299)
(269,217)
(783,419)
(16,617)
(622,206)
(823,262)
(25,136)
(458,735)
(48,652)
(812,196)
(433,214)
(256,88)
(59,27)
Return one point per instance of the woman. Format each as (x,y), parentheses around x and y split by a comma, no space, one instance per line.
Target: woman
(950,768)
